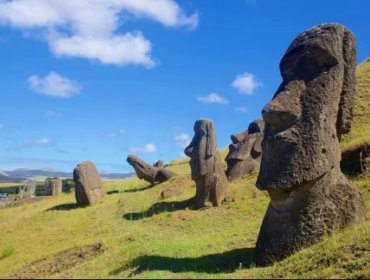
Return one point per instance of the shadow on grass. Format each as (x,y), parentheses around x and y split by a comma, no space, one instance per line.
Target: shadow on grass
(65,207)
(158,208)
(226,262)
(131,190)
(140,189)
(112,192)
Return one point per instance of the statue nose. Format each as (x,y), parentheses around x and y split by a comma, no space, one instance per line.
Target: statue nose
(283,111)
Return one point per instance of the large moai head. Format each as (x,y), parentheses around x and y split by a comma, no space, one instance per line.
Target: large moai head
(89,189)
(206,166)
(311,109)
(304,122)
(245,152)
(53,186)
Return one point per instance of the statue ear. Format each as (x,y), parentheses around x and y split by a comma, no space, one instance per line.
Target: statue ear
(346,103)
(210,141)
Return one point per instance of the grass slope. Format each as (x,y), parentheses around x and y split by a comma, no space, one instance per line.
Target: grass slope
(360,131)
(146,237)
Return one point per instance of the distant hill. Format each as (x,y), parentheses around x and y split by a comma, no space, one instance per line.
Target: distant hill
(21,174)
(4,177)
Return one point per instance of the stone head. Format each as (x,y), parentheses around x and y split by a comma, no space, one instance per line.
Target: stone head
(133,160)
(246,144)
(311,109)
(202,148)
(139,165)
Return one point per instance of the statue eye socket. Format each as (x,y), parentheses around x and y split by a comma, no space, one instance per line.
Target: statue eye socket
(306,63)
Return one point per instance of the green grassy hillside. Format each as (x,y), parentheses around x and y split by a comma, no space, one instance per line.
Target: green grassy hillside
(134,233)
(360,131)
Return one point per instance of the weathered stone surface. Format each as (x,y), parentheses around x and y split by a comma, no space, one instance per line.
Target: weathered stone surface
(206,166)
(27,190)
(159,163)
(150,173)
(304,122)
(244,155)
(356,160)
(171,192)
(88,185)
(53,186)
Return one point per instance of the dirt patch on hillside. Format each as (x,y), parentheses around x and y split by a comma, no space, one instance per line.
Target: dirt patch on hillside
(59,263)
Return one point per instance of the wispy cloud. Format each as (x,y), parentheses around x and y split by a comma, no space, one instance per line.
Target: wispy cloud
(54,85)
(40,142)
(51,114)
(61,151)
(246,83)
(241,109)
(117,133)
(148,148)
(90,29)
(213,98)
(182,139)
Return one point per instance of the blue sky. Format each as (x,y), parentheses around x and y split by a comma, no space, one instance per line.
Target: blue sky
(98,79)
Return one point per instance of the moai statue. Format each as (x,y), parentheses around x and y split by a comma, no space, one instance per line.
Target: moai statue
(206,167)
(28,190)
(150,173)
(88,185)
(311,110)
(53,186)
(244,155)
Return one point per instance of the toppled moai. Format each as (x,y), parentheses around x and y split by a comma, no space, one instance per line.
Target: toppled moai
(88,185)
(53,186)
(244,155)
(151,173)
(304,122)
(206,167)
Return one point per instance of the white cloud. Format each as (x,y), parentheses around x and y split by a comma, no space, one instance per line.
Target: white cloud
(182,139)
(246,83)
(90,28)
(130,48)
(241,109)
(39,142)
(54,85)
(148,148)
(51,114)
(117,133)
(213,98)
